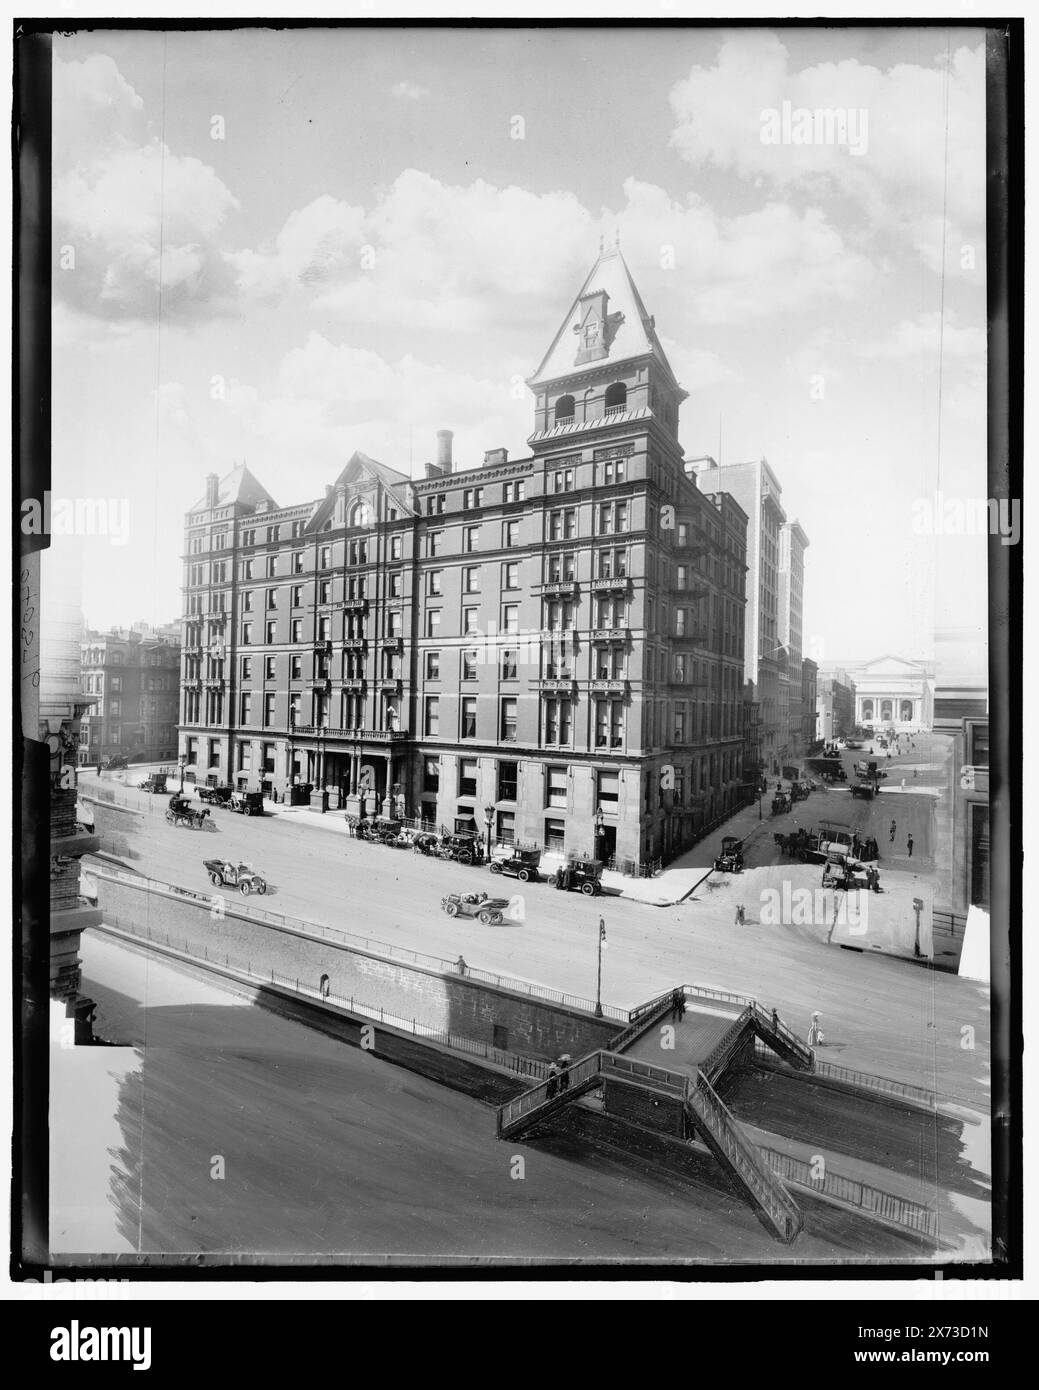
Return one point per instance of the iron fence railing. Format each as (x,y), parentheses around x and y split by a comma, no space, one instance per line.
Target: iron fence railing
(882,1085)
(373,946)
(445,1037)
(900,1211)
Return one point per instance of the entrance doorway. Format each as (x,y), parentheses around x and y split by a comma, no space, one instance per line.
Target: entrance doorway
(606,843)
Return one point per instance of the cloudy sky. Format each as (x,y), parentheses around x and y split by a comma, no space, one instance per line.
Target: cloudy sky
(388,227)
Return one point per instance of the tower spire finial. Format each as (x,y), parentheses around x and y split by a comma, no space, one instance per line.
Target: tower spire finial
(602,243)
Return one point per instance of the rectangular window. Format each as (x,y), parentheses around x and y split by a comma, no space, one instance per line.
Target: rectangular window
(602,723)
(396,547)
(605,518)
(270,631)
(508,719)
(510,618)
(616,723)
(467,777)
(555,835)
(570,523)
(508,666)
(432,622)
(272,566)
(432,666)
(433,541)
(247,668)
(471,584)
(510,534)
(510,575)
(247,601)
(297,596)
(294,707)
(468,716)
(470,621)
(396,584)
(556,787)
(515,492)
(469,665)
(272,598)
(432,716)
(508,780)
(297,562)
(269,667)
(324,557)
(621,517)
(247,634)
(506,827)
(324,593)
(297,629)
(472,538)
(608,791)
(430,774)
(295,668)
(245,707)
(473,497)
(433,583)
(555,526)
(680,722)
(268,708)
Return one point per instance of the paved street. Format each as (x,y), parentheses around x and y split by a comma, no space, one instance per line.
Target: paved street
(879,1015)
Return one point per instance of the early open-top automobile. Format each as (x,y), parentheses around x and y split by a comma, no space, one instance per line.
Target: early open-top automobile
(519,863)
(240,876)
(730,860)
(489,911)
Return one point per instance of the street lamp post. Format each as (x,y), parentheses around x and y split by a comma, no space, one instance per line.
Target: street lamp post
(488,820)
(598,975)
(183,761)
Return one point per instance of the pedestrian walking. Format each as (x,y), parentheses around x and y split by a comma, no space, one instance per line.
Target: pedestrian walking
(815,1032)
(551,1081)
(461,965)
(564,1072)
(903,784)
(775,1020)
(559,877)
(741,920)
(893,828)
(909,845)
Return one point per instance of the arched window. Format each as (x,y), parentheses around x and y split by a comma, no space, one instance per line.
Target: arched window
(325,986)
(867,709)
(564,409)
(906,711)
(360,514)
(616,397)
(885,709)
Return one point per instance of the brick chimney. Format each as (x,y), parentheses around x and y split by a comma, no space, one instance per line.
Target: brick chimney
(444,440)
(212,489)
(493,458)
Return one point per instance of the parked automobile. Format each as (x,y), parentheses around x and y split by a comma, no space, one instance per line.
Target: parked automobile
(214,796)
(866,790)
(730,860)
(463,848)
(584,875)
(246,803)
(518,863)
(154,782)
(489,911)
(240,876)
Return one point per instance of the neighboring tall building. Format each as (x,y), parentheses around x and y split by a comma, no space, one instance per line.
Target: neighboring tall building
(961,724)
(792,546)
(61,708)
(550,647)
(809,700)
(134,679)
(835,705)
(757,490)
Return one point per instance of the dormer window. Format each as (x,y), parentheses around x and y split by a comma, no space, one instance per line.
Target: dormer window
(616,398)
(564,409)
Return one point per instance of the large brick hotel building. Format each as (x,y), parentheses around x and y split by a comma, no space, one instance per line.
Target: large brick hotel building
(555,641)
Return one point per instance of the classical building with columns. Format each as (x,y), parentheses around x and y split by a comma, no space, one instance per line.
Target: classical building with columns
(892,692)
(547,649)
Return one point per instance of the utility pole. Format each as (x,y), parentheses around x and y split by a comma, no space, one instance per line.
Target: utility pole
(598,978)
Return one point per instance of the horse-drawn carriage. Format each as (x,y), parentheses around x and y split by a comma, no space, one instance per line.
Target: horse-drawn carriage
(181,812)
(780,803)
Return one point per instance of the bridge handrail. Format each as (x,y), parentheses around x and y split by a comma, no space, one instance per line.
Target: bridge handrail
(644,1016)
(743,1155)
(773,1022)
(366,943)
(725,996)
(883,1085)
(723,1046)
(901,1210)
(577,1074)
(644,1071)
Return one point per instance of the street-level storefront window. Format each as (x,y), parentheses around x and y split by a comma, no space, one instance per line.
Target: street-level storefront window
(555,835)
